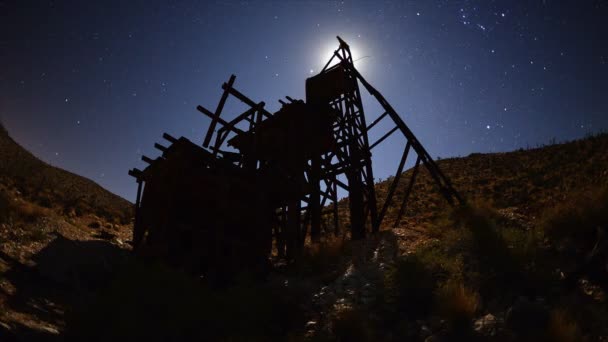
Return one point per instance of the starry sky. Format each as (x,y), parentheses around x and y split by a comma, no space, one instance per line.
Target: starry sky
(90,86)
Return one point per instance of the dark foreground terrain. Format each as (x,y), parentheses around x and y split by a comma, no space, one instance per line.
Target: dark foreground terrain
(526,259)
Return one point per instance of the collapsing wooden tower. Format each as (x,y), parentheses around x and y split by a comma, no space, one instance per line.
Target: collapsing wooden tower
(286,165)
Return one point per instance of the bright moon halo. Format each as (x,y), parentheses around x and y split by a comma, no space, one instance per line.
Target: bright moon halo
(357,52)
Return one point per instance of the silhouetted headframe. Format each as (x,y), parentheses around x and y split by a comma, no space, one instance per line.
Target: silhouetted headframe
(263,179)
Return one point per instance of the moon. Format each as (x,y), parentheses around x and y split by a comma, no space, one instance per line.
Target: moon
(356,50)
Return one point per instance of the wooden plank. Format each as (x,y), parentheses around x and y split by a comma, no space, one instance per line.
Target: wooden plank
(220,120)
(407,193)
(393,185)
(218,111)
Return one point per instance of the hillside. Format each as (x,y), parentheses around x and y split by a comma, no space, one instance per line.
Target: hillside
(524,260)
(50,220)
(49,186)
(528,180)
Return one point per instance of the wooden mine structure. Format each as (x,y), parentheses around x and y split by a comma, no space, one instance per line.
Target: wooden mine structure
(264,179)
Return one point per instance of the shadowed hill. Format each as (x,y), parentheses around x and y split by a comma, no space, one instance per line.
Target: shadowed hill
(49,186)
(529,180)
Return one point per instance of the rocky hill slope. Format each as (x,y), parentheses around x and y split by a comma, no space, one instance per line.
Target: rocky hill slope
(524,260)
(50,220)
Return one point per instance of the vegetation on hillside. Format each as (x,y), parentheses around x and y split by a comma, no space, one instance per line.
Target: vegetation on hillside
(50,187)
(525,259)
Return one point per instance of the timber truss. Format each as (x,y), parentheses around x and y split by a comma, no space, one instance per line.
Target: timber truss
(307,150)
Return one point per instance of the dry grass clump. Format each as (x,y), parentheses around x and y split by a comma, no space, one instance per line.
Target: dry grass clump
(319,258)
(575,223)
(409,287)
(458,304)
(28,212)
(19,210)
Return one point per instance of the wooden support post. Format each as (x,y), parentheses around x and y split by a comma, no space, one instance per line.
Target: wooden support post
(315,199)
(218,111)
(138,230)
(335,207)
(394,184)
(406,195)
(293,228)
(218,119)
(357,210)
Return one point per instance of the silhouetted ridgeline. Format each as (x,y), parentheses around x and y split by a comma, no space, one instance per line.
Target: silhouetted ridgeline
(50,186)
(530,180)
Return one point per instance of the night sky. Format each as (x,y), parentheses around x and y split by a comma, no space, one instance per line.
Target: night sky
(90,87)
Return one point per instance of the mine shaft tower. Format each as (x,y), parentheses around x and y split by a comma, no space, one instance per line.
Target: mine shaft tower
(288,165)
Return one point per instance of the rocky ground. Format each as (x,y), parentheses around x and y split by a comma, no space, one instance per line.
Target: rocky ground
(46,264)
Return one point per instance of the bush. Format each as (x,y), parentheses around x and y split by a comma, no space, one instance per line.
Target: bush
(28,212)
(578,229)
(458,304)
(573,224)
(409,287)
(318,259)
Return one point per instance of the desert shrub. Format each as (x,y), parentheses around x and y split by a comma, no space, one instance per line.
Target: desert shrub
(27,211)
(45,201)
(578,231)
(317,259)
(562,328)
(491,258)
(36,233)
(573,224)
(409,287)
(458,304)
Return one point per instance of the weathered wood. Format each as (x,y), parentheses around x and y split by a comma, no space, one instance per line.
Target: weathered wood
(406,195)
(169,138)
(218,111)
(147,159)
(394,183)
(218,119)
(384,137)
(160,147)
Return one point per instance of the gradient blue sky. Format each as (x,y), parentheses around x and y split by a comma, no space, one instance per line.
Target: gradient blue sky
(90,86)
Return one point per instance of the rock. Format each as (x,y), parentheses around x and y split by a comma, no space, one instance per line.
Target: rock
(50,330)
(486,325)
(425,332)
(5,326)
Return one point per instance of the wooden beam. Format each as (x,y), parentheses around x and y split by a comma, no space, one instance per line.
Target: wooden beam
(218,111)
(169,138)
(220,120)
(384,137)
(407,193)
(393,186)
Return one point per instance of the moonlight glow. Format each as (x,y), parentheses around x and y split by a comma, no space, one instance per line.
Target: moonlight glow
(129,71)
(356,50)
